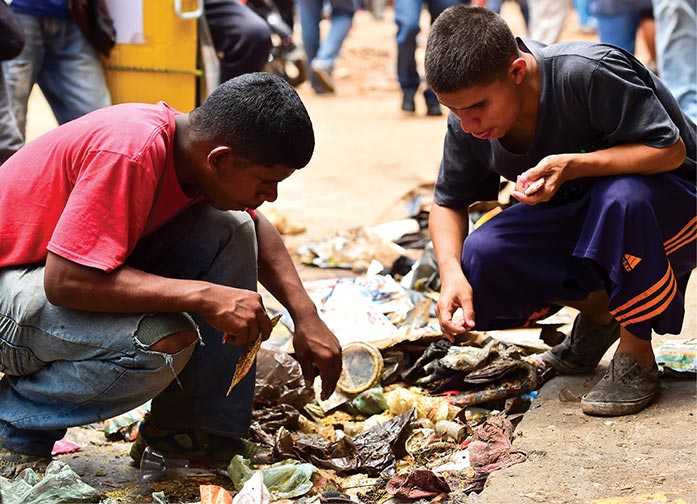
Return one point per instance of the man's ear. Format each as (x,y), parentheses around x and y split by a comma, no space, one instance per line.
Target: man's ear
(217,156)
(517,69)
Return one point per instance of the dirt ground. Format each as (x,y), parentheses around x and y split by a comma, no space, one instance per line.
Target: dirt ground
(368,156)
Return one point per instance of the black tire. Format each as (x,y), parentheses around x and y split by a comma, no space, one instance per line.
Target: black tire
(293,69)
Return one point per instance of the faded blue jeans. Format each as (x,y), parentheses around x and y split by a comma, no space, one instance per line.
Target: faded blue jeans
(67,367)
(324,54)
(58,57)
(10,137)
(407,14)
(676,50)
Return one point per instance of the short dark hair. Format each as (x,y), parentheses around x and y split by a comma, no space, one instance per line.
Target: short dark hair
(259,116)
(468,46)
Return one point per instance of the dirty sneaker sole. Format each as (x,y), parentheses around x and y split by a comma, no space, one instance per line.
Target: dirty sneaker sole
(616,408)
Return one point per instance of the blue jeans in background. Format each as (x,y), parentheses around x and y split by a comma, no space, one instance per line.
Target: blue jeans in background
(58,57)
(495,5)
(619,29)
(585,20)
(324,54)
(68,367)
(676,50)
(407,14)
(10,137)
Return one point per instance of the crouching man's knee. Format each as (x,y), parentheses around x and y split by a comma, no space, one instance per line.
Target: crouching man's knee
(174,343)
(173,334)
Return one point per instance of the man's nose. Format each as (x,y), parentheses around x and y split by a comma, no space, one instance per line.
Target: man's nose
(271,194)
(468,122)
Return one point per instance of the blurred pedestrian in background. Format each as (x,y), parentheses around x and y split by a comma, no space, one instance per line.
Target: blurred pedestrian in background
(547,18)
(619,21)
(59,58)
(407,14)
(241,37)
(676,50)
(321,55)
(11,43)
(495,5)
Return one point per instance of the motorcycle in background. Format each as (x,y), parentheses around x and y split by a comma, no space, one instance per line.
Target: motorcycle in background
(286,60)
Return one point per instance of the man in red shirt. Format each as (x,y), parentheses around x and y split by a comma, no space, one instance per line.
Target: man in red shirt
(128,236)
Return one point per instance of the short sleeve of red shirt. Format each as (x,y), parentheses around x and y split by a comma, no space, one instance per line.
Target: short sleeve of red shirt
(106,211)
(116,188)
(90,189)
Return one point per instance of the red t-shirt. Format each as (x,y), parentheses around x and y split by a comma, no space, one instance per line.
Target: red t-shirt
(91,188)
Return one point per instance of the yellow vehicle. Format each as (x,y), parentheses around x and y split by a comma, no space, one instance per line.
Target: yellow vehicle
(156,56)
(164,52)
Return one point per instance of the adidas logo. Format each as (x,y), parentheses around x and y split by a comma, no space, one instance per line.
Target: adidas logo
(629,261)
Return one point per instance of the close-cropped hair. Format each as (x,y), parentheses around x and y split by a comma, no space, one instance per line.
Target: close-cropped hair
(260,117)
(468,46)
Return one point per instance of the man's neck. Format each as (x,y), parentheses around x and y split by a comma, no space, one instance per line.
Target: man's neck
(183,159)
(521,133)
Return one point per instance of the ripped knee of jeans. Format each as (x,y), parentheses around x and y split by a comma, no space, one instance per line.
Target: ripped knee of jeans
(169,335)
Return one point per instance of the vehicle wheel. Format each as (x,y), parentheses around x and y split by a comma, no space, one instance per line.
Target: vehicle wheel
(292,68)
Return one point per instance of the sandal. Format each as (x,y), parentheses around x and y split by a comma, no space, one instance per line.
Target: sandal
(192,445)
(178,443)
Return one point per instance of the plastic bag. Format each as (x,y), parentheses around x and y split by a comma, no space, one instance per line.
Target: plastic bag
(60,484)
(284,480)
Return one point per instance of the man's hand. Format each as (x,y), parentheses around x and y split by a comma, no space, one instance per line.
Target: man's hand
(317,350)
(238,313)
(455,293)
(540,183)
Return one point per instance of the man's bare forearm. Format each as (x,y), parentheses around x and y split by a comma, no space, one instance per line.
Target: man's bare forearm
(278,273)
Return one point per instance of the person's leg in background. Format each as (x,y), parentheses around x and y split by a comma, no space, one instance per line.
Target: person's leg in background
(525,11)
(286,9)
(586,22)
(435,7)
(647,29)
(71,75)
(11,139)
(322,65)
(547,18)
(676,48)
(310,17)
(407,14)
(619,29)
(22,72)
(240,35)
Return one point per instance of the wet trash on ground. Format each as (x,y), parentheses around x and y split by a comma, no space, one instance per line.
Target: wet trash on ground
(677,357)
(414,416)
(63,446)
(125,426)
(59,484)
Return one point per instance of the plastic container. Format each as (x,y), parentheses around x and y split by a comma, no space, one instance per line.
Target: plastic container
(362,367)
(154,465)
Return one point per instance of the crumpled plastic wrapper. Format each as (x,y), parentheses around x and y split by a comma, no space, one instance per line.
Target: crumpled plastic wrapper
(677,357)
(491,448)
(60,484)
(417,484)
(284,480)
(372,452)
(279,380)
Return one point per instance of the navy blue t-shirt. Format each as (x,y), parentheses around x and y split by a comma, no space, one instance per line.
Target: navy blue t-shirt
(592,96)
